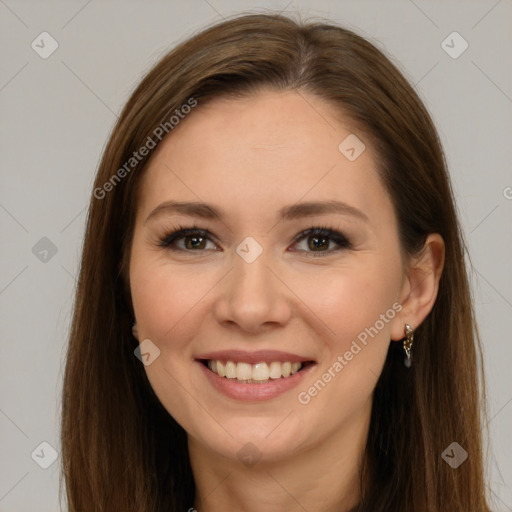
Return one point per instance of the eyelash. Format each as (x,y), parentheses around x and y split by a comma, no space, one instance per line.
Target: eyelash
(180,232)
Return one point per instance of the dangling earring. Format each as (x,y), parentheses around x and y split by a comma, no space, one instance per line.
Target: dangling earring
(135,331)
(407,343)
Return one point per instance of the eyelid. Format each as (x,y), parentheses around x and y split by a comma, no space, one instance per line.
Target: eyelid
(322,230)
(331,233)
(178,232)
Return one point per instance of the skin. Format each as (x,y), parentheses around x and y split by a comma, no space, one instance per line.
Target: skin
(251,157)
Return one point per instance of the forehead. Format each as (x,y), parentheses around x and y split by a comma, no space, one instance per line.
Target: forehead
(259,152)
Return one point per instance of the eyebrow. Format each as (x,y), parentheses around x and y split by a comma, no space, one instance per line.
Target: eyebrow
(295,211)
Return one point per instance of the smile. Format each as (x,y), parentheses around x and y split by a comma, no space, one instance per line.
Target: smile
(253,376)
(259,373)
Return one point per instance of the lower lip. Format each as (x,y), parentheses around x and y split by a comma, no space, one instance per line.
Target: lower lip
(254,392)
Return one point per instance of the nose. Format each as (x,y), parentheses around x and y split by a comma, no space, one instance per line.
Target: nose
(253,296)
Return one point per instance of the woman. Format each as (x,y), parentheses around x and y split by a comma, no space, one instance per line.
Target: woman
(273,311)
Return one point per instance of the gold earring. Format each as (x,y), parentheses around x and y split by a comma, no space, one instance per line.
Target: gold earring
(407,343)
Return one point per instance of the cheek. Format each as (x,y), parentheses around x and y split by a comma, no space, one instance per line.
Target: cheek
(164,298)
(358,308)
(167,303)
(352,300)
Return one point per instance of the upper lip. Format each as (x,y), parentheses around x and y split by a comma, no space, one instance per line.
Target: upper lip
(242,356)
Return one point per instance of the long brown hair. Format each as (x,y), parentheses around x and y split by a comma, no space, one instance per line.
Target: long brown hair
(121,450)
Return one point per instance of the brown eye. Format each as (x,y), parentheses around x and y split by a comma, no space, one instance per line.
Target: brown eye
(194,242)
(188,240)
(316,242)
(321,241)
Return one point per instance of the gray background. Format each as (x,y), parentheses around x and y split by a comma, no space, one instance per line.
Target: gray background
(58,112)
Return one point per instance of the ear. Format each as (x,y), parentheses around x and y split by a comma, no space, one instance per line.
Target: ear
(420,287)
(135,330)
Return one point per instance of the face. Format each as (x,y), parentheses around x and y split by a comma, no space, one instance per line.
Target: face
(252,287)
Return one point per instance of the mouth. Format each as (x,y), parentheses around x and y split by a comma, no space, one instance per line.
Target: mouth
(261,372)
(253,376)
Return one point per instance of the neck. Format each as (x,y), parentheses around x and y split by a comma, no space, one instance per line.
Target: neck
(325,477)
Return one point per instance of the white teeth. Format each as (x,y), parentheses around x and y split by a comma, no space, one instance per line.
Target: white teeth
(221,369)
(295,367)
(230,370)
(275,370)
(259,372)
(243,371)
